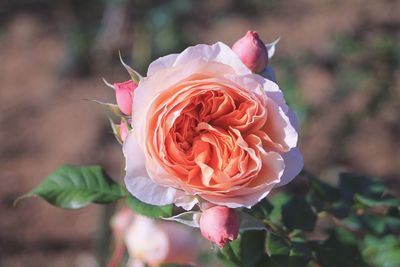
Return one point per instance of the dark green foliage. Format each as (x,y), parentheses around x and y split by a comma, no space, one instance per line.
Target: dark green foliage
(298,214)
(334,252)
(359,217)
(284,252)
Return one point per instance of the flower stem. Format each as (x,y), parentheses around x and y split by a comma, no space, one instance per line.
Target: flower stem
(231,255)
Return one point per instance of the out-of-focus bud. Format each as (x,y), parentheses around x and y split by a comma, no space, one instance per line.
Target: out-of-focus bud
(220,225)
(124,95)
(123,130)
(121,221)
(160,243)
(252,51)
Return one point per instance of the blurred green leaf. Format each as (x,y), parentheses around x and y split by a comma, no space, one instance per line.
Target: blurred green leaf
(374,202)
(351,184)
(345,236)
(74,187)
(277,202)
(334,252)
(298,214)
(261,210)
(339,209)
(248,222)
(252,247)
(288,253)
(231,253)
(383,251)
(247,250)
(148,210)
(321,195)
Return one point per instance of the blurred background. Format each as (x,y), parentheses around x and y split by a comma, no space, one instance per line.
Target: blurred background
(337,63)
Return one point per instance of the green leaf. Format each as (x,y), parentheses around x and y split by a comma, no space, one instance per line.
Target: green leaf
(247,250)
(277,246)
(230,254)
(278,201)
(288,253)
(375,202)
(383,251)
(261,210)
(149,210)
(248,222)
(74,187)
(345,236)
(321,195)
(351,184)
(333,252)
(339,209)
(252,247)
(298,214)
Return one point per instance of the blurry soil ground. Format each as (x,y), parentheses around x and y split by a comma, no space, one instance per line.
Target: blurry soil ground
(45,123)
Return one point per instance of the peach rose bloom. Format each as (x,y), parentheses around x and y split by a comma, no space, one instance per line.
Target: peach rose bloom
(206,127)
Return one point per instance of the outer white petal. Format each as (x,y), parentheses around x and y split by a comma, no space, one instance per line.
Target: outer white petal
(281,126)
(186,202)
(273,91)
(293,119)
(161,63)
(240,201)
(137,181)
(293,165)
(218,52)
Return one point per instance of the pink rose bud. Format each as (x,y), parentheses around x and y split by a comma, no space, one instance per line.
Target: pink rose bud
(124,95)
(252,51)
(123,130)
(220,225)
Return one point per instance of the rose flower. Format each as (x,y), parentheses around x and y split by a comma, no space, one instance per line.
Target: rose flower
(205,127)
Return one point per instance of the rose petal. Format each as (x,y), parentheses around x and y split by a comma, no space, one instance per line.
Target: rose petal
(218,52)
(293,165)
(279,127)
(161,63)
(137,181)
(250,196)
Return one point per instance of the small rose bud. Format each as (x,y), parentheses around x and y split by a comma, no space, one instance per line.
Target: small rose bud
(252,51)
(220,225)
(124,95)
(123,130)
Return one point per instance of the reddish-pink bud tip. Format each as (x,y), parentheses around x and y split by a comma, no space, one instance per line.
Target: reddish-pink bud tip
(252,51)
(124,95)
(220,225)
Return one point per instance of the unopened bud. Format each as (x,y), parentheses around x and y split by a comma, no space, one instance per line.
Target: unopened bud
(252,51)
